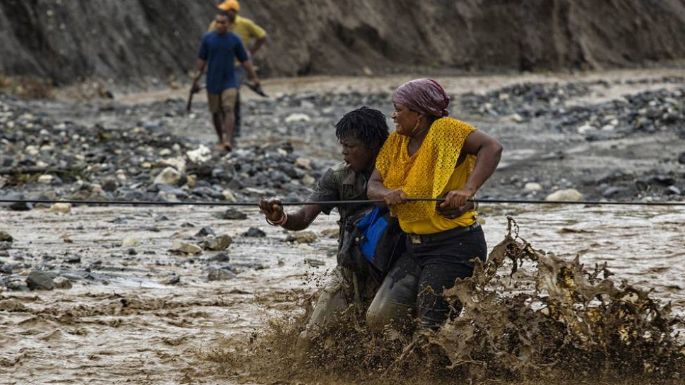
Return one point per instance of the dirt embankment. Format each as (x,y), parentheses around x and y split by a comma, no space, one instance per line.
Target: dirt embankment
(66,41)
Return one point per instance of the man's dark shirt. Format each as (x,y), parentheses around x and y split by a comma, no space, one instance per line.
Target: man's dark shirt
(220,52)
(342,183)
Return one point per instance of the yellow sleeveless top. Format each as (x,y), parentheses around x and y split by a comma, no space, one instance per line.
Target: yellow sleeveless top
(429,173)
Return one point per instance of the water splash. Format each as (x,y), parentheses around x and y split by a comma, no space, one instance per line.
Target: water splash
(554,320)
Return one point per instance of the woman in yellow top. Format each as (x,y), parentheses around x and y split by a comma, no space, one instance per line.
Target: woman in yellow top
(429,155)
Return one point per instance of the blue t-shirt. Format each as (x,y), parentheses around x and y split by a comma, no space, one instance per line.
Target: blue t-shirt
(220,52)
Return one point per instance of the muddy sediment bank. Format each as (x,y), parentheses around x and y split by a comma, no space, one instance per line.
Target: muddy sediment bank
(137,293)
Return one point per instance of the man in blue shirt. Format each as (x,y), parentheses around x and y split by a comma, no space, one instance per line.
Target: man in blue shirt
(218,52)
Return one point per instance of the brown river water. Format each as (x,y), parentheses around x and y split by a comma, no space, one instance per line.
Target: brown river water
(137,329)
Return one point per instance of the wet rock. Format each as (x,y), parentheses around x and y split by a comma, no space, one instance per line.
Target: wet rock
(14,283)
(205,231)
(45,179)
(219,274)
(5,237)
(232,214)
(219,243)
(663,180)
(229,196)
(254,232)
(221,257)
(200,155)
(6,269)
(308,180)
(131,252)
(302,237)
(673,190)
(314,262)
(297,118)
(584,129)
(60,208)
(177,163)
(681,158)
(173,279)
(168,176)
(40,280)
(532,187)
(73,259)
(207,192)
(130,242)
(110,184)
(62,283)
(567,195)
(304,163)
(191,181)
(185,248)
(19,206)
(613,192)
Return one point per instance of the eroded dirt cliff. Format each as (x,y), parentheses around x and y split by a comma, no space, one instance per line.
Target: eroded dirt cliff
(127,39)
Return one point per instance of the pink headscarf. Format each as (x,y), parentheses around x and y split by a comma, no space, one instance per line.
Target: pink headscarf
(425,96)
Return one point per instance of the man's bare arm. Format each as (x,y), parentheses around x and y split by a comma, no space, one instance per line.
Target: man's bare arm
(251,74)
(200,66)
(258,43)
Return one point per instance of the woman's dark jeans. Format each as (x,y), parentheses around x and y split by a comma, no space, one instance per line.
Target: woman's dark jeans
(415,284)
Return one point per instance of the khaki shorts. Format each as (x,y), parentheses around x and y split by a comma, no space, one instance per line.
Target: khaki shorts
(223,103)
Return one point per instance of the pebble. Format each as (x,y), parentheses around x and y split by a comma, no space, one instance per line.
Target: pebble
(531,187)
(173,279)
(219,243)
(232,214)
(61,208)
(218,274)
(220,257)
(5,237)
(205,231)
(73,259)
(297,118)
(567,195)
(314,262)
(673,190)
(302,237)
(169,176)
(130,242)
(185,248)
(200,155)
(254,232)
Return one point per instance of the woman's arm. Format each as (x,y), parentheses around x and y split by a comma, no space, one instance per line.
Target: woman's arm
(375,190)
(488,152)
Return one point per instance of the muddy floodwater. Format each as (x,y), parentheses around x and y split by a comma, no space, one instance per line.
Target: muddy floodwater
(137,312)
(126,325)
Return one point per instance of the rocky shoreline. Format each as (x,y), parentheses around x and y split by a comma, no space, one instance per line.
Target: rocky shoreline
(150,152)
